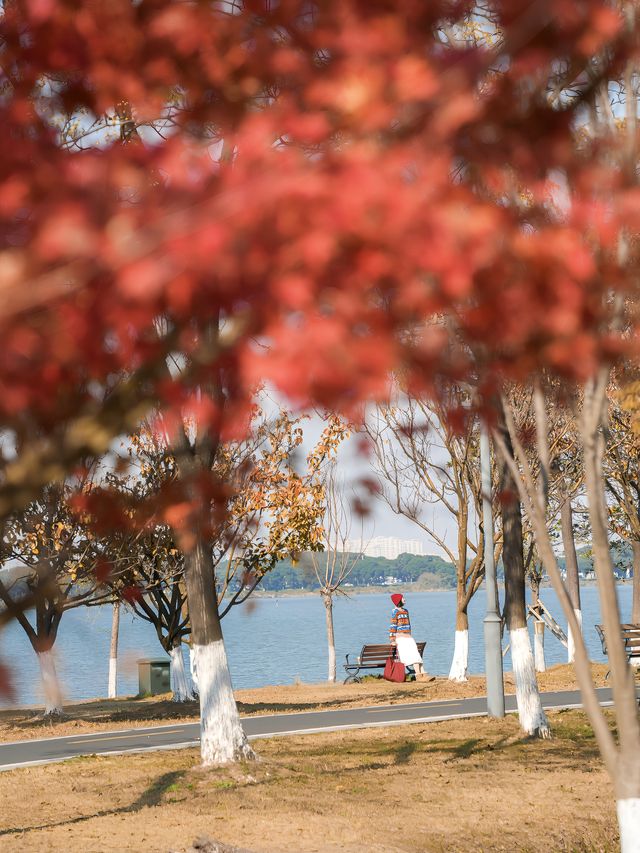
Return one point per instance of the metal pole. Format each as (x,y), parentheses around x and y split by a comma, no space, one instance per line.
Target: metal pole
(492,621)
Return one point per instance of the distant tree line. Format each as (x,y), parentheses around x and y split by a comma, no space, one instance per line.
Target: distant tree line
(431,571)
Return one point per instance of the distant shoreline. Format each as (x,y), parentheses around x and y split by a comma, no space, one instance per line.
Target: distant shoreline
(389,590)
(350,590)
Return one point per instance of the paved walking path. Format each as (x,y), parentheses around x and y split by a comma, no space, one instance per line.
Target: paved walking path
(177,736)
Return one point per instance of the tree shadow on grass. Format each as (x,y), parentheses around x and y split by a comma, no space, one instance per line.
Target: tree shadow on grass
(289,707)
(160,713)
(404,752)
(152,796)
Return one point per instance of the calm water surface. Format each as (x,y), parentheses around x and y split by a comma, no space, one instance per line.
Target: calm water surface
(275,640)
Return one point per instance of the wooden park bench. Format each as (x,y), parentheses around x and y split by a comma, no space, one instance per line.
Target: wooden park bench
(630,637)
(372,656)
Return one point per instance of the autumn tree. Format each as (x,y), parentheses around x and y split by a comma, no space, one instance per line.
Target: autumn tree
(294,510)
(49,559)
(272,511)
(138,229)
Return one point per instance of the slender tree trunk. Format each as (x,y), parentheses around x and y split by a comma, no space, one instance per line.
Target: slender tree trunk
(626,775)
(460,661)
(113,651)
(222,739)
(538,627)
(538,646)
(635,608)
(50,683)
(193,671)
(327,599)
(571,567)
(179,683)
(530,711)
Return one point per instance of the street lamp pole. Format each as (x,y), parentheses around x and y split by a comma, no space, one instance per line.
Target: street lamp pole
(492,620)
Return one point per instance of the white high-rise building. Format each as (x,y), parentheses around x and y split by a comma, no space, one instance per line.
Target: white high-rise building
(385,546)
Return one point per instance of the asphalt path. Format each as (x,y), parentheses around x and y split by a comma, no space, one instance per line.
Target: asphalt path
(182,735)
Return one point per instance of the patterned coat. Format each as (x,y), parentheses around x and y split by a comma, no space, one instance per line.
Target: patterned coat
(400,623)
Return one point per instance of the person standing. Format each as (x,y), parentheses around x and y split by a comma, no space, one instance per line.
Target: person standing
(400,637)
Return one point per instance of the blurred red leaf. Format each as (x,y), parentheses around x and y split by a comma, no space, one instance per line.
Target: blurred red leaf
(132,594)
(7,689)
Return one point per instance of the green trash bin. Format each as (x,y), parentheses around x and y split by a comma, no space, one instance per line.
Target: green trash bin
(153,676)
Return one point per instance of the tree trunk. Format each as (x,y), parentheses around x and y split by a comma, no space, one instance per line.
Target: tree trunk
(460,661)
(635,607)
(530,711)
(113,652)
(538,627)
(222,739)
(193,670)
(50,683)
(626,770)
(629,823)
(327,599)
(571,567)
(179,683)
(538,646)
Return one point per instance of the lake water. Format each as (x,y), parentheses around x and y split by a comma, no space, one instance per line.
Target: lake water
(276,640)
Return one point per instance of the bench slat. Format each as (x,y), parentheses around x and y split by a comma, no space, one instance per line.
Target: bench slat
(630,635)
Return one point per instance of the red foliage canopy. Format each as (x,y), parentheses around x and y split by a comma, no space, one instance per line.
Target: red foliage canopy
(349,186)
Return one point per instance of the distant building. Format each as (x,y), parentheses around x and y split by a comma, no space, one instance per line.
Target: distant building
(385,546)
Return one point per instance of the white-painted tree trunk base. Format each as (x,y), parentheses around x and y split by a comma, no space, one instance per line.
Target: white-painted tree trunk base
(113,678)
(331,673)
(331,641)
(50,683)
(629,823)
(222,738)
(179,683)
(193,670)
(533,719)
(571,643)
(538,647)
(460,662)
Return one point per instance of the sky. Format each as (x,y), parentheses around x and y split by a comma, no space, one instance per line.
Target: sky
(381,520)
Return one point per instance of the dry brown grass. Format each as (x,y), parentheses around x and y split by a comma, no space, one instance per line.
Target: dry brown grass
(463,785)
(107,714)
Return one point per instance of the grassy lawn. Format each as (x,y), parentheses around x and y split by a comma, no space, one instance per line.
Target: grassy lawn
(459,785)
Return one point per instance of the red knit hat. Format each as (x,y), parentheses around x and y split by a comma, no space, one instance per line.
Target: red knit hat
(397,598)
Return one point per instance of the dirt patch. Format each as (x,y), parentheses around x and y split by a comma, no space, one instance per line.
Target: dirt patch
(462,785)
(108,714)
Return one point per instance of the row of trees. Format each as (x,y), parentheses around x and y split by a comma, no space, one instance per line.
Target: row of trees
(54,553)
(419,459)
